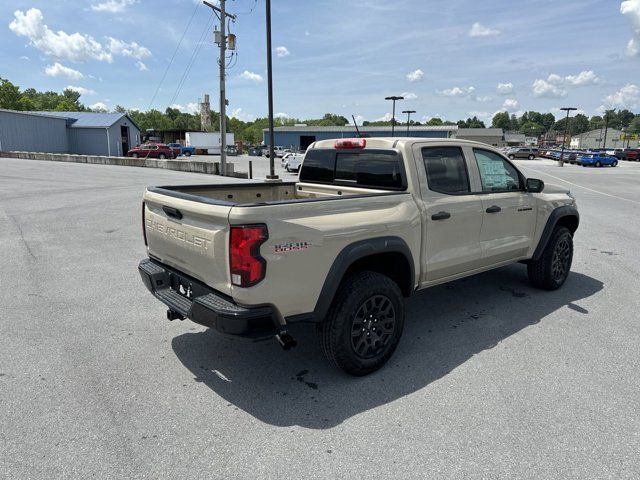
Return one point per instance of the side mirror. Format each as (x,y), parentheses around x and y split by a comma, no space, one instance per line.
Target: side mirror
(534,185)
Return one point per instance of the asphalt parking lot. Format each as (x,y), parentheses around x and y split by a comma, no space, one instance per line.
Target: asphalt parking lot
(492,379)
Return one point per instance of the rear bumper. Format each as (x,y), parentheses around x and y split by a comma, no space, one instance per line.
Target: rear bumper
(204,305)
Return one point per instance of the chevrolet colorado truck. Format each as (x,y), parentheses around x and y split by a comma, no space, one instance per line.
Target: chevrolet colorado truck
(369,222)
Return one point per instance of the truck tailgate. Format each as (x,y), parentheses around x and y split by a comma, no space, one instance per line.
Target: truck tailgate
(190,236)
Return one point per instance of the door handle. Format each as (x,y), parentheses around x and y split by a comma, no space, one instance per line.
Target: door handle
(440,216)
(493,209)
(172,212)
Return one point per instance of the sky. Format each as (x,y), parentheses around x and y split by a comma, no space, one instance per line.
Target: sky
(449,58)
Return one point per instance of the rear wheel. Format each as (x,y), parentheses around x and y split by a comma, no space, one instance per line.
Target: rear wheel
(162,156)
(531,157)
(512,157)
(598,164)
(364,324)
(552,269)
(615,163)
(134,155)
(187,153)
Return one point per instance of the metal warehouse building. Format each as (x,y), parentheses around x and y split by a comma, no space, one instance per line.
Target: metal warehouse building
(300,137)
(82,133)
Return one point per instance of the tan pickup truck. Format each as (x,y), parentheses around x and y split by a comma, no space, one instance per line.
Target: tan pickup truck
(369,222)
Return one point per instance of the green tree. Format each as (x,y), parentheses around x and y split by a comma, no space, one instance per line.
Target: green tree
(596,122)
(9,95)
(501,120)
(634,125)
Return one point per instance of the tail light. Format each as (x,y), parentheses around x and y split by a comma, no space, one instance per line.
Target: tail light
(144,226)
(247,266)
(350,143)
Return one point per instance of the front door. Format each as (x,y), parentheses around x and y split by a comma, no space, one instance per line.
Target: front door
(453,214)
(509,212)
(124,139)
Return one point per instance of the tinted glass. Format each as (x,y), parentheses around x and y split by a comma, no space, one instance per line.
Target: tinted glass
(370,169)
(496,174)
(318,166)
(446,169)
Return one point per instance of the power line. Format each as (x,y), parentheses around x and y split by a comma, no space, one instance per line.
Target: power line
(192,60)
(173,56)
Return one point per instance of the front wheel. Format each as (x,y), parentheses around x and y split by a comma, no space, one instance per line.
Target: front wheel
(598,164)
(364,324)
(615,163)
(531,157)
(134,155)
(162,156)
(551,270)
(187,154)
(512,157)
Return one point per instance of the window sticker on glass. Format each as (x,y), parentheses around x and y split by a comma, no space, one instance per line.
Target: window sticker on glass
(496,173)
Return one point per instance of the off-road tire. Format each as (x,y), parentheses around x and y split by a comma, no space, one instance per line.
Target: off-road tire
(546,273)
(345,321)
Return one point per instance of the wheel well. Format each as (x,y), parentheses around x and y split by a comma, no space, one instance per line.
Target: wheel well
(569,221)
(392,264)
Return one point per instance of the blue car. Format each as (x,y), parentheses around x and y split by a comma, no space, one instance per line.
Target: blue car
(598,160)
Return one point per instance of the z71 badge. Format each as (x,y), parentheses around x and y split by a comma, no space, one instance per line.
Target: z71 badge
(291,246)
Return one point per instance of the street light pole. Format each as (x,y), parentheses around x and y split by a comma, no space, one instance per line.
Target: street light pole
(393,115)
(272,174)
(408,112)
(564,138)
(606,127)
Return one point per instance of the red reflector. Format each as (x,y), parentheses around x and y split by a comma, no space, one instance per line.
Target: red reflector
(348,143)
(144,226)
(247,266)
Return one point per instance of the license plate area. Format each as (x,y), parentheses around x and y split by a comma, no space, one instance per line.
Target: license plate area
(181,286)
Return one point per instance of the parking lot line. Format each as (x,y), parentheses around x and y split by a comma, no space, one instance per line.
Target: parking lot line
(582,186)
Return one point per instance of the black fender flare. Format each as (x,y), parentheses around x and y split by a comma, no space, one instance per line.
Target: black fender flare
(552,221)
(347,257)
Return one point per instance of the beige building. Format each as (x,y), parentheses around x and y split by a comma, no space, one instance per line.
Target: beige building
(492,136)
(596,139)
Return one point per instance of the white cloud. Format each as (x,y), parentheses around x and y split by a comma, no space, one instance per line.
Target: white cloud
(409,96)
(415,76)
(133,49)
(251,76)
(112,6)
(241,115)
(483,99)
(359,120)
(631,9)
(75,47)
(59,70)
(189,108)
(627,97)
(479,30)
(282,51)
(99,106)
(81,90)
(457,92)
(544,88)
(141,66)
(25,58)
(510,104)
(480,114)
(505,88)
(587,77)
(282,115)
(385,118)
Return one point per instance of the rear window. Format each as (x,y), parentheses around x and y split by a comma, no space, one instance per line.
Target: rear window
(381,169)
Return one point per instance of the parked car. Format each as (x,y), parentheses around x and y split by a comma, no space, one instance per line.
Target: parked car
(619,153)
(524,152)
(179,149)
(345,245)
(283,160)
(151,150)
(632,155)
(277,151)
(598,160)
(293,162)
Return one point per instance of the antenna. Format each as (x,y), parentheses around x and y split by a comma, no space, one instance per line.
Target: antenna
(356,125)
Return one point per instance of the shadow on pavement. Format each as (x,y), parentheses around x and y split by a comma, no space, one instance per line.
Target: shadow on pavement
(445,326)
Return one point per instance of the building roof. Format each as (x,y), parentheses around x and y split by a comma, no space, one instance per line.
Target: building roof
(35,114)
(369,129)
(480,132)
(89,119)
(598,132)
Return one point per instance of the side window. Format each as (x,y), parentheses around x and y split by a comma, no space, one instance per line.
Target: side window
(446,170)
(370,169)
(496,174)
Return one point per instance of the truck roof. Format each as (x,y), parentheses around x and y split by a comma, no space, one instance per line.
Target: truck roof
(395,142)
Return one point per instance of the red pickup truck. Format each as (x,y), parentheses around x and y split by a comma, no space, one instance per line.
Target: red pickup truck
(151,150)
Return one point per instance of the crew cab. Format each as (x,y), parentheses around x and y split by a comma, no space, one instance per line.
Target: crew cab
(151,150)
(370,222)
(179,149)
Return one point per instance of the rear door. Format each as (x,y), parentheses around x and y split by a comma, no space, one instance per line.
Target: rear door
(190,236)
(509,212)
(453,213)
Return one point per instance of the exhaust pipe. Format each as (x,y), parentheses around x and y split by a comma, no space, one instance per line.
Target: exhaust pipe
(286,341)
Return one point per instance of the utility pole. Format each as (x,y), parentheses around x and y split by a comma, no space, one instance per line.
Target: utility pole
(222,42)
(393,115)
(606,127)
(564,138)
(272,174)
(408,112)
